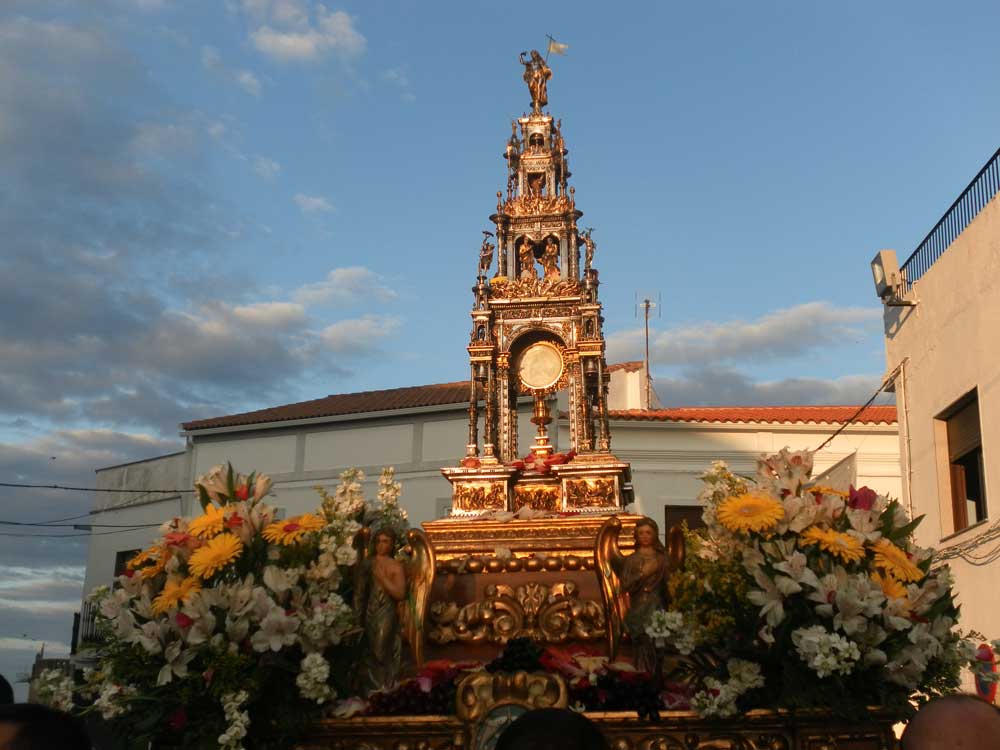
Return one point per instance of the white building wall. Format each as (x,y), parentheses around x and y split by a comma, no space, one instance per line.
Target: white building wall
(948,346)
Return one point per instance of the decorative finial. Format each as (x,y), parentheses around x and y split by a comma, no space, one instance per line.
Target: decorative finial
(536,74)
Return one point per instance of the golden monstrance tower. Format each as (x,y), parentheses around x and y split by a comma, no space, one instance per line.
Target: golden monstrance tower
(536,331)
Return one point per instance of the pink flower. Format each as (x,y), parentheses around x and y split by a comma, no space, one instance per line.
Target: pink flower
(861,499)
(183,620)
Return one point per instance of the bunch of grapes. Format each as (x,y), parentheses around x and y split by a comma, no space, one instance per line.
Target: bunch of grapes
(409,699)
(612,693)
(519,655)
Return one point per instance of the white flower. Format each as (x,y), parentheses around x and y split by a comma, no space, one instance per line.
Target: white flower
(176,660)
(346,555)
(112,700)
(237,720)
(826,653)
(54,688)
(312,679)
(279,580)
(796,566)
(276,630)
(768,598)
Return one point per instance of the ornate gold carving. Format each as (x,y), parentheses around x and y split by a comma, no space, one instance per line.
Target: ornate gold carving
(537,205)
(534,287)
(538,497)
(549,614)
(480,495)
(587,493)
(421,573)
(481,692)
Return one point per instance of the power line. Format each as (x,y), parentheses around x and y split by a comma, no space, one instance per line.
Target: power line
(83,489)
(73,525)
(69,536)
(882,386)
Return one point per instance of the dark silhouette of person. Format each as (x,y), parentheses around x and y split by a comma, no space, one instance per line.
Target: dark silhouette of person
(954,722)
(6,692)
(29,726)
(552,729)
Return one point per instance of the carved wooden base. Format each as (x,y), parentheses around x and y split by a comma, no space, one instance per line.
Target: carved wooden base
(677,730)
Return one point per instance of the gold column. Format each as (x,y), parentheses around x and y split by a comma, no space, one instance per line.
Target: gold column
(472,448)
(489,423)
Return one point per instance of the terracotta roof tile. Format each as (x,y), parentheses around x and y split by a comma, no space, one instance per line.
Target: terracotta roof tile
(790,414)
(345,403)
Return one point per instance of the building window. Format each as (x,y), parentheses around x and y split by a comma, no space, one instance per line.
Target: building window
(965,461)
(122,558)
(674,515)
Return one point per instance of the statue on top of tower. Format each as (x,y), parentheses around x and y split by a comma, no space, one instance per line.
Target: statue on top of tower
(588,241)
(485,254)
(536,74)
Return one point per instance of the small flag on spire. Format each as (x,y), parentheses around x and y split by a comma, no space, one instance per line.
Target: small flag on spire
(557,47)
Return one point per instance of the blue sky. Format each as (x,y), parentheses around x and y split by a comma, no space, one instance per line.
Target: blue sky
(212,207)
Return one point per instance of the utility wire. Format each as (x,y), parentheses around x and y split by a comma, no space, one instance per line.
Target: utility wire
(72,525)
(882,386)
(83,489)
(68,536)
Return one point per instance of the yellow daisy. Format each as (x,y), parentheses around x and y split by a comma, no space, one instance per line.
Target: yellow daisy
(818,489)
(215,555)
(844,546)
(175,591)
(749,512)
(896,562)
(208,524)
(147,555)
(892,588)
(291,530)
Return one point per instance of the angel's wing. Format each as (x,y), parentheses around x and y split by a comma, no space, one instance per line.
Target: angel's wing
(421,577)
(607,558)
(360,544)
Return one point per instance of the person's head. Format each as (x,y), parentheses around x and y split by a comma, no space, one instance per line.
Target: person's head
(6,692)
(385,541)
(552,729)
(647,534)
(28,726)
(953,722)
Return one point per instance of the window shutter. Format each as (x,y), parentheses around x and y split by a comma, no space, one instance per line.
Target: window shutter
(963,430)
(959,510)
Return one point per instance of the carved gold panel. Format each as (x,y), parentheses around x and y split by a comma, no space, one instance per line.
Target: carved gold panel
(548,614)
(588,493)
(537,496)
(480,495)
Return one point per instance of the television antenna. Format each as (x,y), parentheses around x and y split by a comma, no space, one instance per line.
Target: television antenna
(647,304)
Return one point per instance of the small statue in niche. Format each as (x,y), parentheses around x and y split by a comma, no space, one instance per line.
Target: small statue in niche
(588,241)
(550,259)
(536,185)
(634,586)
(380,587)
(526,260)
(485,254)
(536,74)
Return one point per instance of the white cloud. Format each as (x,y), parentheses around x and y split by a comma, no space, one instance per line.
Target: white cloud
(270,314)
(344,286)
(310,204)
(245,79)
(782,333)
(722,386)
(288,35)
(400,78)
(357,335)
(266,168)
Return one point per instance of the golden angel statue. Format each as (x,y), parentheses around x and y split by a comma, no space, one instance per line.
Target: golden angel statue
(391,603)
(634,586)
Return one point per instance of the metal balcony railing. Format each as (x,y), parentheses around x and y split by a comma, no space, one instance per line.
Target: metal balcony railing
(959,215)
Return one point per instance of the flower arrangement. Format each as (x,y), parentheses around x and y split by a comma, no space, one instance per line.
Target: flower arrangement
(802,596)
(233,629)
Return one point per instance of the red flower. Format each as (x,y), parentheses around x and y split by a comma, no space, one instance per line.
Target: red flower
(234,521)
(183,621)
(178,719)
(207,676)
(177,538)
(242,492)
(128,573)
(861,499)
(517,465)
